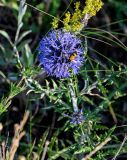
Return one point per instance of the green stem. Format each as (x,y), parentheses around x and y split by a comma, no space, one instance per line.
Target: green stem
(73,97)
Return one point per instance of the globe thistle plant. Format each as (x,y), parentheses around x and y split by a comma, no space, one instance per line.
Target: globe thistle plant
(61,53)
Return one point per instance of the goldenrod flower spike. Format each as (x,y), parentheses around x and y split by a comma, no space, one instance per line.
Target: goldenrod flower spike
(92,7)
(55,23)
(66,21)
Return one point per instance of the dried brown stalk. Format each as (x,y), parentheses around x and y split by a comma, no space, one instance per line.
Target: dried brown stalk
(19,133)
(45,150)
(97,148)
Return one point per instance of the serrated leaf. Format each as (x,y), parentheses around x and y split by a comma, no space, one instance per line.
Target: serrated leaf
(54,84)
(59,153)
(4,104)
(42,141)
(83,150)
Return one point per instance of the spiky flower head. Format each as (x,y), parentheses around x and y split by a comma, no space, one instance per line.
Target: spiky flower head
(60,53)
(78,117)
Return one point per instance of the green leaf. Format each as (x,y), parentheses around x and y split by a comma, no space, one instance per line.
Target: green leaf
(24,34)
(5,34)
(83,150)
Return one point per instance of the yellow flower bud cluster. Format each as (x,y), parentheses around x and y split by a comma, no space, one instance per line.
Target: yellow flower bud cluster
(73,22)
(92,7)
(55,23)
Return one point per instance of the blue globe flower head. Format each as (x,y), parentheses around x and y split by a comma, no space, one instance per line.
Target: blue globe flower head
(60,53)
(78,117)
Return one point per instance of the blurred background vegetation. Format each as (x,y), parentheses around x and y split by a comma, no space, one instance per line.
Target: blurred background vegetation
(106,65)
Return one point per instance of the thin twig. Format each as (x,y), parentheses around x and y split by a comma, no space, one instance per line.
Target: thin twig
(45,150)
(53,124)
(41,11)
(97,148)
(111,110)
(124,140)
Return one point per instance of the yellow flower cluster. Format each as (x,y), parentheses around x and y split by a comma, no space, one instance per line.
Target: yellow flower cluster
(67,20)
(55,23)
(92,7)
(74,22)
